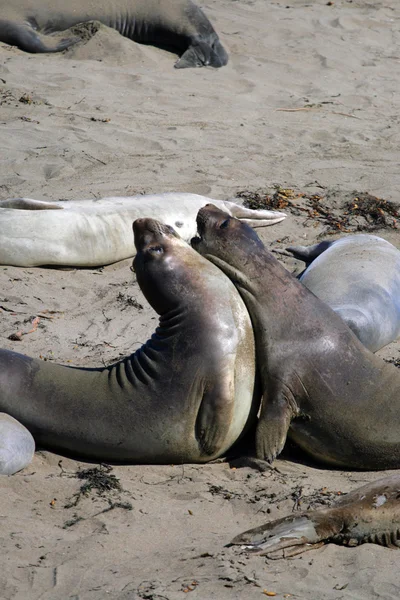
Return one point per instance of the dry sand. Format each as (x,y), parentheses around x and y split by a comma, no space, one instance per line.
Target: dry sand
(114,118)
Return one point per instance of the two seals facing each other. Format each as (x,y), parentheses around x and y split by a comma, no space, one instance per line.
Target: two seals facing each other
(93,233)
(178,24)
(185,396)
(337,400)
(359,277)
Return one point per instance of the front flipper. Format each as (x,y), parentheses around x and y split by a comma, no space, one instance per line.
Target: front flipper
(277,410)
(17,445)
(291,535)
(214,417)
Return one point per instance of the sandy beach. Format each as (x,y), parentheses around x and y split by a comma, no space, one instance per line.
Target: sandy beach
(308,102)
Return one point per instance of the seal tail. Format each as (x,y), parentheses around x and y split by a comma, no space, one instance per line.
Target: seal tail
(290,535)
(27,39)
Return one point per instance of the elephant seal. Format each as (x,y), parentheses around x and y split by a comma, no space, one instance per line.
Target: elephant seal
(359,277)
(178,24)
(370,513)
(184,396)
(93,233)
(17,445)
(338,401)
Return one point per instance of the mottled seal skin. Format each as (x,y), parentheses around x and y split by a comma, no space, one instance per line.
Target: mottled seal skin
(338,401)
(178,24)
(184,396)
(93,233)
(359,277)
(370,513)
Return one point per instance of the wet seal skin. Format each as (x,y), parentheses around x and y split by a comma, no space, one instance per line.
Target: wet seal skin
(186,395)
(321,386)
(369,514)
(359,277)
(177,24)
(98,232)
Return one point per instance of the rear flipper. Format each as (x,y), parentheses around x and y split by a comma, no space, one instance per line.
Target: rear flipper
(28,204)
(254,218)
(291,535)
(309,253)
(27,39)
(202,54)
(17,445)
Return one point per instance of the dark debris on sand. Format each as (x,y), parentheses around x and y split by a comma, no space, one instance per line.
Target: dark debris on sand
(104,483)
(99,479)
(393,361)
(362,212)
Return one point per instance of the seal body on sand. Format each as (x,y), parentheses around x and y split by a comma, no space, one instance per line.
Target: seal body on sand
(92,233)
(359,277)
(185,396)
(340,401)
(178,24)
(370,513)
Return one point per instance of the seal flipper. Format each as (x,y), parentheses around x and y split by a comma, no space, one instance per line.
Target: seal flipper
(17,445)
(214,416)
(29,204)
(278,408)
(309,253)
(253,217)
(27,39)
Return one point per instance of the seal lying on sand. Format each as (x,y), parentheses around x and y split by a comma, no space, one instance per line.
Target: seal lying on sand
(340,401)
(370,513)
(93,233)
(185,396)
(178,24)
(359,277)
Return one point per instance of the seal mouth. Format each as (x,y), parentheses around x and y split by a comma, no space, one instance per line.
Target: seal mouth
(149,232)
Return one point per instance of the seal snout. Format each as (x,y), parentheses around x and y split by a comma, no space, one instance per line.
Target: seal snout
(148,232)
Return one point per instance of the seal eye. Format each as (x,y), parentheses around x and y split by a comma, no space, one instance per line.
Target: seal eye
(156,249)
(224,224)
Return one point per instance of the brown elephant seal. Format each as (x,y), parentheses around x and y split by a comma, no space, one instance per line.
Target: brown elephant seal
(337,400)
(184,396)
(178,24)
(370,513)
(359,277)
(97,232)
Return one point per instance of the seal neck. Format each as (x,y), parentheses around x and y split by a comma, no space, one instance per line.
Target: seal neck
(153,360)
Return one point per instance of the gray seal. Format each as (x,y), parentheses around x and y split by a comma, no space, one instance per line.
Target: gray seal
(185,396)
(178,24)
(337,400)
(370,514)
(359,277)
